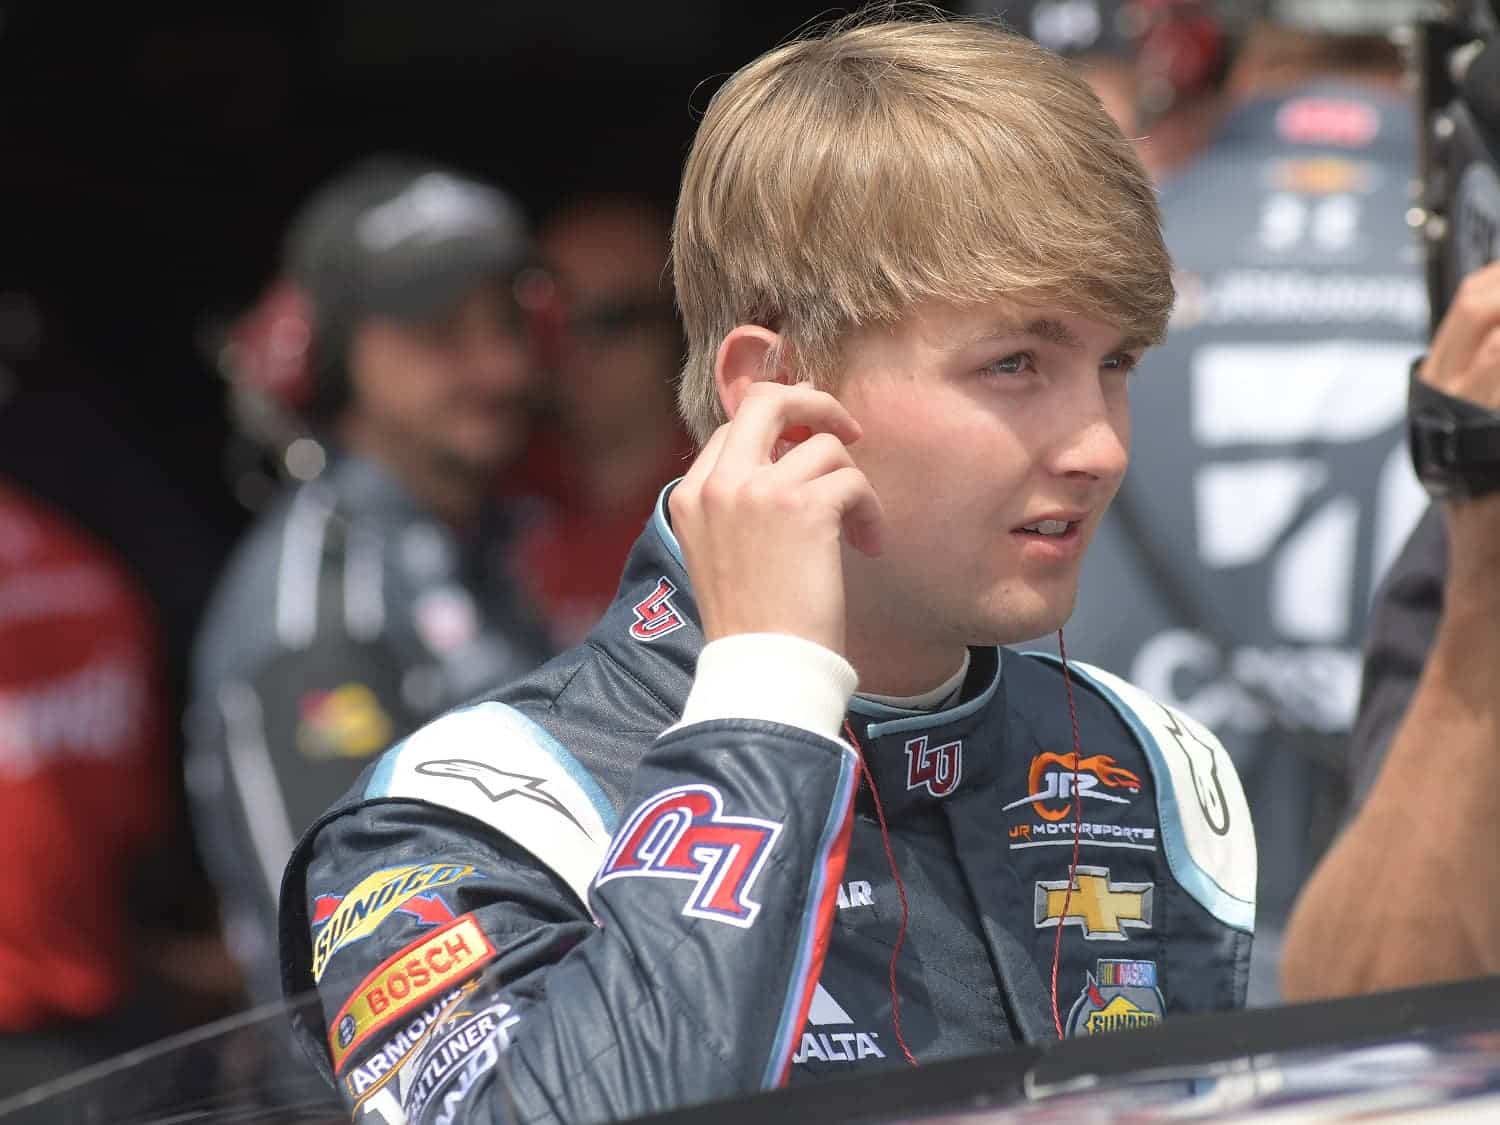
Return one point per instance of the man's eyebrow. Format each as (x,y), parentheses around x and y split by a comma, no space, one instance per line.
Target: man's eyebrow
(1052,331)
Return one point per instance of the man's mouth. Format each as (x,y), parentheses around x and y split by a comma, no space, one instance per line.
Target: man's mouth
(1049,527)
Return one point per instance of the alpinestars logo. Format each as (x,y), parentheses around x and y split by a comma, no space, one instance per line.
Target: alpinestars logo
(936,769)
(834,1046)
(682,833)
(655,615)
(497,784)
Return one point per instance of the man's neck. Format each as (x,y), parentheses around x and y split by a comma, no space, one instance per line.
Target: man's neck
(902,670)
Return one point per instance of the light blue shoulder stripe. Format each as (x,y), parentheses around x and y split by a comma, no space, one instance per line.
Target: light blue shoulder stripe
(1227,908)
(520,726)
(664,527)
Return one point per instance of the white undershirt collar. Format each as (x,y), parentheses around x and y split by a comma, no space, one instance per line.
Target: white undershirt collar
(944,695)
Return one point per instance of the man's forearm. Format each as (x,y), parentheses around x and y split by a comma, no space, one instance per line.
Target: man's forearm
(1405,895)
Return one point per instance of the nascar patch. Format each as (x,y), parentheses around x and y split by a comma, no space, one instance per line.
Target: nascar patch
(1117,996)
(403,982)
(339,921)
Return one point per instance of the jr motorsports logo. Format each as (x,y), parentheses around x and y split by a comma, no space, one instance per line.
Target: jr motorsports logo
(1055,780)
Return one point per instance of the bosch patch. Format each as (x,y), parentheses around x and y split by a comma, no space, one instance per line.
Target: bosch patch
(400,984)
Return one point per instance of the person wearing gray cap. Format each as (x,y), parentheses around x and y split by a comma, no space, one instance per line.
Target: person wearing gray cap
(377,593)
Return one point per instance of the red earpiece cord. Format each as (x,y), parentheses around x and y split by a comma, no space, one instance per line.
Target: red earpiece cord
(1062,650)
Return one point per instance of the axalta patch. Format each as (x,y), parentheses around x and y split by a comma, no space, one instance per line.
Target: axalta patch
(374,900)
(403,982)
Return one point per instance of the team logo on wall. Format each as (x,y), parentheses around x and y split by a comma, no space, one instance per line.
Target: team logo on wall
(1118,996)
(655,615)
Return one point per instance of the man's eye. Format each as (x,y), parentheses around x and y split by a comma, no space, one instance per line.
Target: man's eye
(1123,362)
(1016,364)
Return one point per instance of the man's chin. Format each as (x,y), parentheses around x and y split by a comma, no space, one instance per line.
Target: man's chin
(1043,617)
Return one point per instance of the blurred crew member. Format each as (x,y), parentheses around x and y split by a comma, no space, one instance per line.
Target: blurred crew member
(1270,484)
(616,438)
(1158,66)
(379,593)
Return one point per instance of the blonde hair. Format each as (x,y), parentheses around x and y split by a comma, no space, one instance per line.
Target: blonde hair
(842,179)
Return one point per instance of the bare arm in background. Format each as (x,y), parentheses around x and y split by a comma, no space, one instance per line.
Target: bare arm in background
(1406,896)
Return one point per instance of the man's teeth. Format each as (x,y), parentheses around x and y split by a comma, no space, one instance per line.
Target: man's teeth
(1048,527)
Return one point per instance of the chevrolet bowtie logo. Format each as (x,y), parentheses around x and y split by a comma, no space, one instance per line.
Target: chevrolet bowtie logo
(1104,910)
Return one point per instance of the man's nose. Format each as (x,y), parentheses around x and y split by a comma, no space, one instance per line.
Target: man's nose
(1094,442)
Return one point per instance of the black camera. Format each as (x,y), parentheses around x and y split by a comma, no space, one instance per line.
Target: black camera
(1456,60)
(1455,444)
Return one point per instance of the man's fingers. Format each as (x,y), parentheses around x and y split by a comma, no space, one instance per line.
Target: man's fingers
(820,454)
(766,414)
(863,518)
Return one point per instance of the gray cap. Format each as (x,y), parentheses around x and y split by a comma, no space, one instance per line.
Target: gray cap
(399,236)
(1070,28)
(1350,17)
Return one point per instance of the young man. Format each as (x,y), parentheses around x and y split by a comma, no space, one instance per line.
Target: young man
(916,262)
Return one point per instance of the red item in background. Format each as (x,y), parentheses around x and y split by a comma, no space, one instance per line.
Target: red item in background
(571,556)
(82,765)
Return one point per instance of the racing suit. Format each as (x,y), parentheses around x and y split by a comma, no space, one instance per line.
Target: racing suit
(348,616)
(573,901)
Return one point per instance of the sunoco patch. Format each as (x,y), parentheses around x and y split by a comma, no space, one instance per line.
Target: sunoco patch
(339,920)
(1118,996)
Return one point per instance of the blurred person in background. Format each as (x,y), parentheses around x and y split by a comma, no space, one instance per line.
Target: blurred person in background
(1158,66)
(379,592)
(616,438)
(1270,485)
(110,938)
(84,796)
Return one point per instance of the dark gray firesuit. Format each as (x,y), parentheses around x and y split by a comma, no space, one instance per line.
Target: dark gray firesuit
(551,906)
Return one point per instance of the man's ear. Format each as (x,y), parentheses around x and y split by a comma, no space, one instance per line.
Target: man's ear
(750,354)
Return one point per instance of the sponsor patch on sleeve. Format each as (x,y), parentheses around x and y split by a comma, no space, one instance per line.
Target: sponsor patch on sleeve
(429,966)
(411,889)
(492,763)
